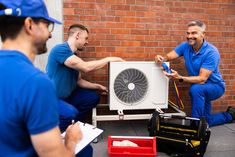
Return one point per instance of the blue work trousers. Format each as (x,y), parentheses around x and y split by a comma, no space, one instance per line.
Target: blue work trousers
(76,106)
(201,97)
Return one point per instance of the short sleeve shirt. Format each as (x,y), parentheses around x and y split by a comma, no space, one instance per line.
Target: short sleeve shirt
(63,77)
(207,57)
(28,101)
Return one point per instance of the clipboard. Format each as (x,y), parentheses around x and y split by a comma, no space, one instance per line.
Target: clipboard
(89,132)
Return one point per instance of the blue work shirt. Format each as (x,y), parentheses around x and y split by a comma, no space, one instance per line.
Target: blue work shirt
(207,57)
(28,104)
(64,78)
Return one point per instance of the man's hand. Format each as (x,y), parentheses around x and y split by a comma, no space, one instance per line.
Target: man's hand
(174,75)
(73,136)
(159,59)
(103,90)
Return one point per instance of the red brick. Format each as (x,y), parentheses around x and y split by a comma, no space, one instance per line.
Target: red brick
(89,18)
(130,19)
(120,13)
(102,31)
(129,25)
(131,2)
(102,54)
(68,11)
(139,8)
(140,32)
(88,12)
(139,37)
(110,37)
(115,1)
(123,37)
(110,43)
(120,31)
(70,17)
(110,18)
(100,49)
(120,7)
(149,44)
(130,43)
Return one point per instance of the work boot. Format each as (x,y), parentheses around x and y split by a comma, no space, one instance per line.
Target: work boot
(231,110)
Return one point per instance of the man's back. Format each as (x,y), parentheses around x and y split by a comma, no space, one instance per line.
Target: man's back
(64,78)
(21,84)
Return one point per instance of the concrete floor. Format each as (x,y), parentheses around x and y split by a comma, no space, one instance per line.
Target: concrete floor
(221,144)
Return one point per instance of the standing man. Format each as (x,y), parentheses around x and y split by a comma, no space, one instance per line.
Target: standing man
(28,114)
(202,63)
(64,67)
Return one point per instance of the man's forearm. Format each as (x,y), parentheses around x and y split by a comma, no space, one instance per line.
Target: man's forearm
(170,56)
(86,84)
(97,64)
(192,79)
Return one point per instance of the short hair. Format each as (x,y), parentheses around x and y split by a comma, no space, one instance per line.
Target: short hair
(73,28)
(197,23)
(10,26)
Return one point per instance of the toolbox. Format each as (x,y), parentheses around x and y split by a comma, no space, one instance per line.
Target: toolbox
(176,139)
(146,146)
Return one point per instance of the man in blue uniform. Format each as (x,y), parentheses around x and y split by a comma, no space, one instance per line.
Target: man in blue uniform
(64,67)
(28,102)
(202,63)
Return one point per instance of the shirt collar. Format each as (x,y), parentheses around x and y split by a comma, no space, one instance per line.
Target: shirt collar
(15,53)
(205,43)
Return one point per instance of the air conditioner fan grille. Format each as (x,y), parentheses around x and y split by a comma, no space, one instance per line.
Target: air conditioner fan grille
(130,86)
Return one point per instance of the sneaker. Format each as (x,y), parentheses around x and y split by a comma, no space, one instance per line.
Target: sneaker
(231,110)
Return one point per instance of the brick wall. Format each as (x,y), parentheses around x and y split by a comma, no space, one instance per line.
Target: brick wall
(137,30)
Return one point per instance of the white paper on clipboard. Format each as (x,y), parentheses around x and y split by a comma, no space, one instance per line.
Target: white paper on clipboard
(89,133)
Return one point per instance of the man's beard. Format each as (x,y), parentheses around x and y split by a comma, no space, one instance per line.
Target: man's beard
(41,48)
(190,40)
(196,44)
(80,48)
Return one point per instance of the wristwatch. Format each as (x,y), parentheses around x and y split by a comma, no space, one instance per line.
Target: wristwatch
(181,80)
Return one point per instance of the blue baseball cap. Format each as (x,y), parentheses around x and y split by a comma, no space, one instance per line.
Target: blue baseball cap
(26,8)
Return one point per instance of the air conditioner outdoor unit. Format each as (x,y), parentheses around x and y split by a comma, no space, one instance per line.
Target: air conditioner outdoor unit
(137,85)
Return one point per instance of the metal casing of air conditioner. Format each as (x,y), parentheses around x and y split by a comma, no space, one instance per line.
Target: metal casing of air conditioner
(137,85)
